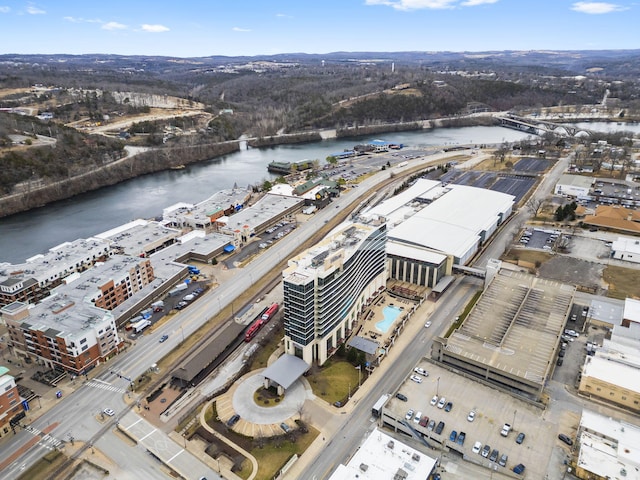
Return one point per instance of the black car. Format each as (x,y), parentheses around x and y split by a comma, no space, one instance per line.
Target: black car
(559,362)
(440,428)
(402,397)
(494,455)
(518,469)
(461,437)
(233,420)
(565,438)
(448,407)
(520,438)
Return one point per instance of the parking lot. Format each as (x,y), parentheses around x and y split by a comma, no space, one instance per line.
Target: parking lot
(531,164)
(492,410)
(515,185)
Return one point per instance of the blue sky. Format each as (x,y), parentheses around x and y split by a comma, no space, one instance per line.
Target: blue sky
(192,28)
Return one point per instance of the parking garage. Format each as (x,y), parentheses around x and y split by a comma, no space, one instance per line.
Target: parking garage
(511,335)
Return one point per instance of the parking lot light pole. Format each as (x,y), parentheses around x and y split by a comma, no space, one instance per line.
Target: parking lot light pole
(513,425)
(438,386)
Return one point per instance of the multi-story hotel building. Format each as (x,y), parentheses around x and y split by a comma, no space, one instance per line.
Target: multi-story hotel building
(327,286)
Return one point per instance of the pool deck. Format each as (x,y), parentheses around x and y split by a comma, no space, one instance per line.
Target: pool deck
(374,314)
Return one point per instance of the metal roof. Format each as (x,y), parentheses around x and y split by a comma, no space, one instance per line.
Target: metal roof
(286,370)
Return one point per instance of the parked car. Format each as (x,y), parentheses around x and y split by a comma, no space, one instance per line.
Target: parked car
(427,325)
(163,338)
(559,361)
(417,417)
(424,421)
(442,402)
(285,427)
(432,424)
(503,460)
(520,438)
(461,437)
(471,417)
(440,428)
(506,428)
(434,400)
(518,469)
(109,412)
(402,397)
(233,420)
(448,406)
(494,455)
(565,438)
(416,378)
(561,353)
(453,436)
(476,447)
(485,451)
(409,414)
(421,371)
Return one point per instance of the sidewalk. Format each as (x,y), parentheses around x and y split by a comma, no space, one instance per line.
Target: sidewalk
(341,416)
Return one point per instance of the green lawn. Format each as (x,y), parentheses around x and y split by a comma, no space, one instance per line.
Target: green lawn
(331,382)
(273,455)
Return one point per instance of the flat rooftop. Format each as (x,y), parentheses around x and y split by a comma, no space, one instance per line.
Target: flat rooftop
(65,316)
(139,236)
(323,257)
(515,325)
(382,457)
(608,446)
(201,213)
(268,207)
(57,262)
(613,369)
(575,180)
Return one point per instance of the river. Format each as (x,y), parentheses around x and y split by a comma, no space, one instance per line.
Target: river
(26,234)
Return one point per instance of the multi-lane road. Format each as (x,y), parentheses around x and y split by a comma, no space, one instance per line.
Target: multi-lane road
(78,416)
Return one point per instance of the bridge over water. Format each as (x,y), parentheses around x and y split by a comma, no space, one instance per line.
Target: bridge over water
(539,127)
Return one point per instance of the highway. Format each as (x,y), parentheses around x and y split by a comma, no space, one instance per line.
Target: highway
(78,415)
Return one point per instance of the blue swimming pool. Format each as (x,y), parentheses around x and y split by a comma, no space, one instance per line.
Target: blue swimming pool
(390,314)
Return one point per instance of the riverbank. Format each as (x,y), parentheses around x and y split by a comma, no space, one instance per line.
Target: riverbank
(133,165)
(157,160)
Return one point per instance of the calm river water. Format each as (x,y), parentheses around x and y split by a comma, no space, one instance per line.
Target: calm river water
(26,234)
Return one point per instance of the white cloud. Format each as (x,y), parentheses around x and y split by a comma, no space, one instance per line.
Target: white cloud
(154,28)
(4,9)
(113,26)
(238,29)
(283,15)
(414,4)
(596,8)
(473,3)
(81,20)
(33,10)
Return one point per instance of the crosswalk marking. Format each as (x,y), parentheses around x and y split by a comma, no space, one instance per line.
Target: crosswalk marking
(46,440)
(112,388)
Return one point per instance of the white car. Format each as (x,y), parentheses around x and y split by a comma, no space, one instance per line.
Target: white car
(442,402)
(476,447)
(409,415)
(471,417)
(427,325)
(434,400)
(417,418)
(421,371)
(416,378)
(109,412)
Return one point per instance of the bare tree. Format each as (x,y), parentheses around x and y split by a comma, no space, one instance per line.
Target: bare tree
(534,205)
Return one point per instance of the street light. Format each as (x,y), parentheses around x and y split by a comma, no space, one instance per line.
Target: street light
(438,386)
(513,425)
